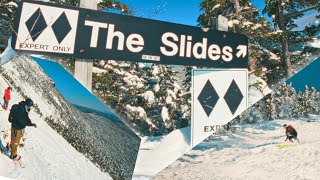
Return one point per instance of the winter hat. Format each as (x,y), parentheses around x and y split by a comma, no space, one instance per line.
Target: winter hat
(10,88)
(28,102)
(285,125)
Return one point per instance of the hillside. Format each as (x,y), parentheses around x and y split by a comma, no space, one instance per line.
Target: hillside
(107,144)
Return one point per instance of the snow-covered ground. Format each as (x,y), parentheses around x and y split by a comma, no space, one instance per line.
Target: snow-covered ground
(46,155)
(156,153)
(251,153)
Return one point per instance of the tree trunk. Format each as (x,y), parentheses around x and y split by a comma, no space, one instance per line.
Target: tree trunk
(237,6)
(284,41)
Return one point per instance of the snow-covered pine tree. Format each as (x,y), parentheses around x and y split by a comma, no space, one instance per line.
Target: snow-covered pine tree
(7,15)
(170,103)
(314,108)
(284,13)
(145,95)
(244,18)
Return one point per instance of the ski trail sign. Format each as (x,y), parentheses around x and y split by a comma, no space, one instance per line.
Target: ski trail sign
(47,28)
(218,96)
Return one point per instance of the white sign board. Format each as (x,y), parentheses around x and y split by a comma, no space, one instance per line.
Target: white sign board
(218,96)
(47,29)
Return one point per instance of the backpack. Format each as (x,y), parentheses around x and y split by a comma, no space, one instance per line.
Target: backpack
(13,112)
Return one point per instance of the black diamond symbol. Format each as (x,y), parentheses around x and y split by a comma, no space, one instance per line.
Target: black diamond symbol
(233,97)
(61,27)
(208,98)
(36,24)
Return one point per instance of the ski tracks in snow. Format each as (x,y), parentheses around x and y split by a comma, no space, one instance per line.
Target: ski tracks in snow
(251,154)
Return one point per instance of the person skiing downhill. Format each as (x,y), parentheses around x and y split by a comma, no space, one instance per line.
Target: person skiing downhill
(6,98)
(291,133)
(19,119)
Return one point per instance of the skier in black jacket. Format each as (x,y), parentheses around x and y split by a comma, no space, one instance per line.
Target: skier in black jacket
(20,119)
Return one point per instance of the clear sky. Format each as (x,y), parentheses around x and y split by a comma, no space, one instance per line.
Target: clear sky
(306,77)
(187,11)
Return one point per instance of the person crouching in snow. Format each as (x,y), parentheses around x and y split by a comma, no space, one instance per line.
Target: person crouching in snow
(19,119)
(291,133)
(6,98)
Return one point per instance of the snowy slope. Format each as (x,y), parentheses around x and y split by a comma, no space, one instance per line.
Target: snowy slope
(46,155)
(250,153)
(115,145)
(156,153)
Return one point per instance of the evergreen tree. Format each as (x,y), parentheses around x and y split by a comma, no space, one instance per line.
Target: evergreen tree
(7,15)
(284,13)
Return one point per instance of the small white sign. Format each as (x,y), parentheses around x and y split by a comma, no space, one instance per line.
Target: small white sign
(47,29)
(218,96)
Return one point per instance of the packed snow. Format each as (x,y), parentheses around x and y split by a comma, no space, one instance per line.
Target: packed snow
(8,53)
(156,153)
(251,153)
(164,150)
(46,155)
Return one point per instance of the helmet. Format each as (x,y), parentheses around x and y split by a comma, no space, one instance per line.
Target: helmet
(10,88)
(285,125)
(28,102)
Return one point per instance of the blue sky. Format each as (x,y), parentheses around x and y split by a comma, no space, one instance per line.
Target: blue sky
(71,89)
(306,77)
(187,11)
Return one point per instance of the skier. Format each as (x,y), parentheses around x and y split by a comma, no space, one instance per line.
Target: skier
(291,133)
(20,119)
(6,98)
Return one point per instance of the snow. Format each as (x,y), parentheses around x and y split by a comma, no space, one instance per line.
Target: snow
(315,43)
(12,4)
(155,71)
(165,114)
(156,153)
(139,110)
(271,54)
(7,54)
(170,97)
(164,150)
(149,97)
(256,26)
(250,153)
(156,88)
(247,23)
(232,23)
(46,155)
(215,7)
(258,88)
(98,70)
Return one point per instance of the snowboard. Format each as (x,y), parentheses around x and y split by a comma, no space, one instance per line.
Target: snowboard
(281,146)
(6,137)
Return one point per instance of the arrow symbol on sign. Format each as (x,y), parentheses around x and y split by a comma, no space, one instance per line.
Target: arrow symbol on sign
(242,51)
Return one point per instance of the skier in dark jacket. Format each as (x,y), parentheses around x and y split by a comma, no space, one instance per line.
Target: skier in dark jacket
(20,119)
(291,133)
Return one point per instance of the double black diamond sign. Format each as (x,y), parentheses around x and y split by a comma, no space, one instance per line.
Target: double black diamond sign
(61,27)
(233,97)
(36,24)
(208,97)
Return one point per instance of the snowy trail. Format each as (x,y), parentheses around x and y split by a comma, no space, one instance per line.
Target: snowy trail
(46,154)
(251,154)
